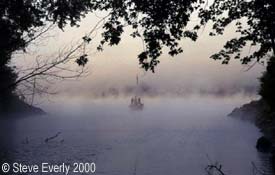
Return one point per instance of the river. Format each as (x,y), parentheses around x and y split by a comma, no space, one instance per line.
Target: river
(171,135)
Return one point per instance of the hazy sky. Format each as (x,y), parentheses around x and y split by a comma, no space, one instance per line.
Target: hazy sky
(117,67)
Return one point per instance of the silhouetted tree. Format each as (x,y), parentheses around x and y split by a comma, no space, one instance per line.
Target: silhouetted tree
(254,22)
(20,19)
(268,85)
(162,22)
(7,76)
(158,22)
(20,24)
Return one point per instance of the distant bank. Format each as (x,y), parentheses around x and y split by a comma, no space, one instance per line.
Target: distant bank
(15,107)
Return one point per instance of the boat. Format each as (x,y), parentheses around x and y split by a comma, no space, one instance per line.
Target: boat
(136,102)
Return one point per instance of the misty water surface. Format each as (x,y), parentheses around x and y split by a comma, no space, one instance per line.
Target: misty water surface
(169,136)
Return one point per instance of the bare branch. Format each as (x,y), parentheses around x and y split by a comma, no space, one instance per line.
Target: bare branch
(211,169)
(55,68)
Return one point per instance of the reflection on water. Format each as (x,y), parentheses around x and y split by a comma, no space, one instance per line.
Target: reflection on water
(170,136)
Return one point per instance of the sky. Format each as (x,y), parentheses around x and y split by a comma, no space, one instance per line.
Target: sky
(115,69)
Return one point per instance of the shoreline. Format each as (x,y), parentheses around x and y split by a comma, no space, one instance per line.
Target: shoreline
(17,108)
(254,112)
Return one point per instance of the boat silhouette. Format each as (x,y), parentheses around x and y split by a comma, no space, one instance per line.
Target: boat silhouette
(136,103)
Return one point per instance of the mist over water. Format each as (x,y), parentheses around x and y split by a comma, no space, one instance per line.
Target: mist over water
(169,136)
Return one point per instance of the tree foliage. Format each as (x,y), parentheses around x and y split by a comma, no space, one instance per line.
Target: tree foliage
(20,23)
(254,20)
(158,22)
(19,20)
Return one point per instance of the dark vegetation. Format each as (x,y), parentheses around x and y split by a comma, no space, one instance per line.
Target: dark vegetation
(263,144)
(19,26)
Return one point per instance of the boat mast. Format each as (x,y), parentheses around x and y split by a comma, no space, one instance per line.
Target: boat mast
(137,80)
